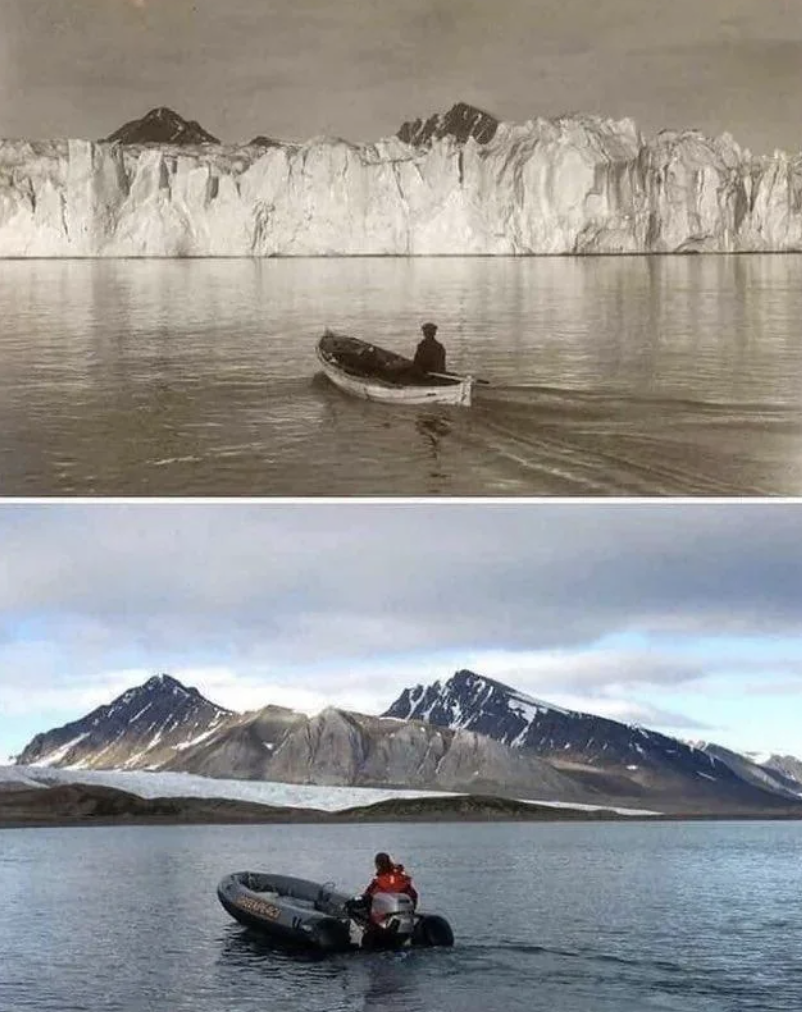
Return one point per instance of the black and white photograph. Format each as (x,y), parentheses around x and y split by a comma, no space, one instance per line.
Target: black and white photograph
(428,248)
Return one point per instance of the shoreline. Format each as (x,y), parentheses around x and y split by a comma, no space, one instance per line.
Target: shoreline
(70,806)
(609,255)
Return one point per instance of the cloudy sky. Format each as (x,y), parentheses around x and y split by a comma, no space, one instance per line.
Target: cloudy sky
(359,68)
(684,618)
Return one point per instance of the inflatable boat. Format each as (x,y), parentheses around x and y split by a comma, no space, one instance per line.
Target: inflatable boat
(295,911)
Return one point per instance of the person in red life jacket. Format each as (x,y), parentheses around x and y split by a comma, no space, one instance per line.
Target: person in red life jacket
(390,878)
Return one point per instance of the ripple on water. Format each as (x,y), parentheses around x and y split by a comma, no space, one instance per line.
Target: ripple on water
(634,375)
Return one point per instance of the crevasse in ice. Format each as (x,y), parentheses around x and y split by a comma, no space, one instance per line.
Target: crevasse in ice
(573,185)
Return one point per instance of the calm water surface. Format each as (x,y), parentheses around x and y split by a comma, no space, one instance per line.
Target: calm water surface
(564,918)
(632,375)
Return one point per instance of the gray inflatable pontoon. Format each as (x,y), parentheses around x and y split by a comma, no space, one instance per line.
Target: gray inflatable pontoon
(296,911)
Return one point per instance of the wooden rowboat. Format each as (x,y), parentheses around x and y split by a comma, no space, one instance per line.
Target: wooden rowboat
(375,374)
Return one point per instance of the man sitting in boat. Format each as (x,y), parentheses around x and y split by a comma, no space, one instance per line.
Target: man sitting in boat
(430,355)
(390,878)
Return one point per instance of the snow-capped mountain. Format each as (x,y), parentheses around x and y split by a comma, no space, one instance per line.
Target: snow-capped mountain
(162,725)
(459,183)
(162,126)
(779,773)
(468,734)
(144,728)
(606,753)
(787,765)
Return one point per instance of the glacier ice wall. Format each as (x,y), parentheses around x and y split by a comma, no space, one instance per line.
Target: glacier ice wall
(569,186)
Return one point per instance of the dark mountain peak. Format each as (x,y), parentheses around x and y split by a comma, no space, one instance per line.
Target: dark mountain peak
(460,122)
(162,690)
(167,684)
(474,688)
(467,679)
(786,765)
(261,141)
(763,774)
(600,747)
(162,681)
(162,126)
(159,711)
(157,687)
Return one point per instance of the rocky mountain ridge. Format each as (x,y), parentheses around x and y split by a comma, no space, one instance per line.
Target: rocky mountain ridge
(461,122)
(141,729)
(763,775)
(468,734)
(161,126)
(606,754)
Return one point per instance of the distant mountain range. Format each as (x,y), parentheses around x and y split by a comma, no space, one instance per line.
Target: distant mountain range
(469,734)
(606,754)
(164,126)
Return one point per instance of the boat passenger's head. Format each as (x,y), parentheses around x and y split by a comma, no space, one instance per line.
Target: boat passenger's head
(383,863)
(429,329)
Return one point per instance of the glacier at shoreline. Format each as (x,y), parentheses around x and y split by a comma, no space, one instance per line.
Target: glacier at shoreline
(575,185)
(266,792)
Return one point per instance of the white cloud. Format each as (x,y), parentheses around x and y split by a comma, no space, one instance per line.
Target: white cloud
(347,603)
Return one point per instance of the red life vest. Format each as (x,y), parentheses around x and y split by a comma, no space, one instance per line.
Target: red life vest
(395,881)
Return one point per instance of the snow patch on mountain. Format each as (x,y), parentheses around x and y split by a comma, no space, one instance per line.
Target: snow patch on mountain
(181,746)
(57,755)
(142,726)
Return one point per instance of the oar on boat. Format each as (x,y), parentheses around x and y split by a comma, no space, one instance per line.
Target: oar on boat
(459,376)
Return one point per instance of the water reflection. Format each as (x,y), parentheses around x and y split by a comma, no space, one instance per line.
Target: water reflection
(357,980)
(631,375)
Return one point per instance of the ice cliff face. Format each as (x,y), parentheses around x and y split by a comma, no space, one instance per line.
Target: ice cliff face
(568,186)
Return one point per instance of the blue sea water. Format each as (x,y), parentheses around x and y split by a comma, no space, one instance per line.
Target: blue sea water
(559,917)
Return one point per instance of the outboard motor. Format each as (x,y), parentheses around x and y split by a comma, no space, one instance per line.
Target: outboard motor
(393,913)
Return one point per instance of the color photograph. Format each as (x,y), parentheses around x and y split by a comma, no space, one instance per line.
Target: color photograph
(426,756)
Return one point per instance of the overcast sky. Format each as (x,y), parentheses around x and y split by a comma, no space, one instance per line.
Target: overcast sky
(359,68)
(685,618)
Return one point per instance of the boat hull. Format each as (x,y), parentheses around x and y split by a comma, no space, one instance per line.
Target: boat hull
(292,911)
(299,913)
(393,381)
